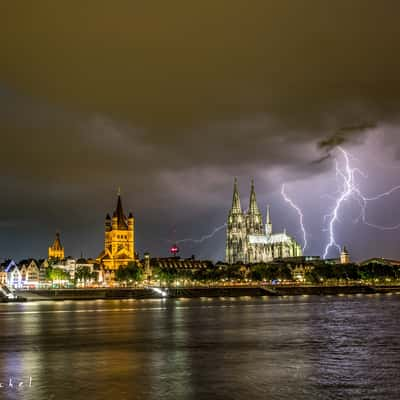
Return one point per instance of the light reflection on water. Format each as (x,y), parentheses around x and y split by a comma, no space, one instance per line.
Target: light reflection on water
(302,347)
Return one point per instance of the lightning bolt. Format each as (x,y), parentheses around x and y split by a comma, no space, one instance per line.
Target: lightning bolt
(203,238)
(350,190)
(300,214)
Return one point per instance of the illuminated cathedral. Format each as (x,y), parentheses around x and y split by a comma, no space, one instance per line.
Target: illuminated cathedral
(119,244)
(249,240)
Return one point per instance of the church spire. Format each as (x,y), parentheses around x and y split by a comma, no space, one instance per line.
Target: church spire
(57,242)
(253,207)
(119,213)
(268,223)
(236,207)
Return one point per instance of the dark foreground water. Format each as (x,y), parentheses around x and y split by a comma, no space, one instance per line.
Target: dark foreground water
(291,348)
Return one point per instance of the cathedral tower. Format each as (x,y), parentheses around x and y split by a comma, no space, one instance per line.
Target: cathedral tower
(235,232)
(254,227)
(56,250)
(119,238)
(254,222)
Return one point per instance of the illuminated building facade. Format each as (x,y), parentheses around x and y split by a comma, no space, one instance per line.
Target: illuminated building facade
(119,245)
(56,250)
(344,256)
(249,240)
(30,273)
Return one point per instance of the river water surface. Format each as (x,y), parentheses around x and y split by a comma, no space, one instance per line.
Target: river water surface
(246,348)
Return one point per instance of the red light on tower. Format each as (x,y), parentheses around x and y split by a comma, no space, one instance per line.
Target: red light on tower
(174,250)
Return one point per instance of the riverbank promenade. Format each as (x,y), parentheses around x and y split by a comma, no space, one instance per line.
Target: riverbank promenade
(200,292)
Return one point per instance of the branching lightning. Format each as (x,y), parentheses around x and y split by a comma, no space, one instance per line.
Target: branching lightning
(299,212)
(203,238)
(350,190)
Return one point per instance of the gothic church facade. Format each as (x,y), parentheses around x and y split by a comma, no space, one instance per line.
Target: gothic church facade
(249,240)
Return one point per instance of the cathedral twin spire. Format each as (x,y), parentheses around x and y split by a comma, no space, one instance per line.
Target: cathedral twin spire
(253,206)
(253,217)
(236,207)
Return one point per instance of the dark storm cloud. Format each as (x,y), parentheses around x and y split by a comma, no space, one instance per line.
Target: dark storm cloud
(346,135)
(176,64)
(169,100)
(78,147)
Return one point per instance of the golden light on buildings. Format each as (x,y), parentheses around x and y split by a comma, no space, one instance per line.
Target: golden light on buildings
(119,239)
(56,250)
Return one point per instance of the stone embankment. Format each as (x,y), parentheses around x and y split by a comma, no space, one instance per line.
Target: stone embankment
(197,292)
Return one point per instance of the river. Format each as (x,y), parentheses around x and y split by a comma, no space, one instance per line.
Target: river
(328,347)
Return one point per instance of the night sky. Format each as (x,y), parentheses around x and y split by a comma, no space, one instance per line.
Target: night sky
(170,100)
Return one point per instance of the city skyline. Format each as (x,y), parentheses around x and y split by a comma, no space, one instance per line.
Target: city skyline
(218,234)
